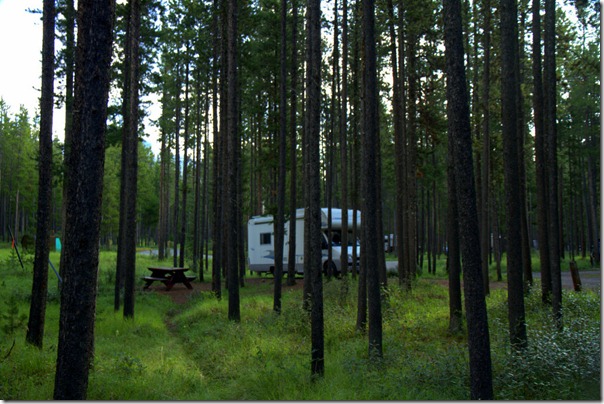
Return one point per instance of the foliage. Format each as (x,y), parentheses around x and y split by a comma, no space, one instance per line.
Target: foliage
(12,319)
(192,352)
(556,363)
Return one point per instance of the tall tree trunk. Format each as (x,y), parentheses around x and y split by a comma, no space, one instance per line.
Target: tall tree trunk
(185,165)
(330,141)
(540,158)
(37,309)
(344,154)
(197,207)
(370,141)
(344,257)
(217,158)
(232,143)
(524,231)
(509,99)
(176,169)
(127,242)
(551,150)
(485,232)
(70,21)
(313,209)
(411,161)
(85,172)
(399,128)
(481,385)
(163,220)
(291,269)
(205,200)
(279,222)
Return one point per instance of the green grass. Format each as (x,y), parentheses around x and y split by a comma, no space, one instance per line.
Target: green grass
(193,352)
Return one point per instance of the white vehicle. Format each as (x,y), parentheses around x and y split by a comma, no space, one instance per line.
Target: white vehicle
(261,241)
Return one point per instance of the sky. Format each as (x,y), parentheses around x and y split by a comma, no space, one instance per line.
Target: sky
(20,69)
(21,63)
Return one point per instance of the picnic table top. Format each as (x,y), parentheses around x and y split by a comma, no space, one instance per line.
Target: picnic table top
(168,269)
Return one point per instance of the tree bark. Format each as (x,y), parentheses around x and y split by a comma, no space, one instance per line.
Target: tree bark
(551,150)
(291,269)
(175,212)
(279,222)
(217,157)
(486,149)
(313,209)
(37,310)
(185,166)
(232,143)
(85,172)
(453,253)
(344,153)
(481,379)
(70,19)
(370,141)
(130,160)
(509,98)
(540,162)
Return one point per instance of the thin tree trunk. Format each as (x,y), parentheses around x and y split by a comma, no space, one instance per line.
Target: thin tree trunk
(217,158)
(70,21)
(486,149)
(232,133)
(524,232)
(540,158)
(176,169)
(344,154)
(370,143)
(37,310)
(509,99)
(185,165)
(313,210)
(291,269)
(196,204)
(130,160)
(279,222)
(551,148)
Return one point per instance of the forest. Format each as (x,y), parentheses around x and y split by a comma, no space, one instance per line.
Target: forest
(466,132)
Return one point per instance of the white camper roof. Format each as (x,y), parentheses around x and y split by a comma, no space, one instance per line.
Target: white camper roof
(336,217)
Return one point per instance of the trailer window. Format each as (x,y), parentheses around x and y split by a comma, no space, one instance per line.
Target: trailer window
(265,238)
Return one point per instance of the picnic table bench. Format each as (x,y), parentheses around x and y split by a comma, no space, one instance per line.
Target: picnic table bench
(169,276)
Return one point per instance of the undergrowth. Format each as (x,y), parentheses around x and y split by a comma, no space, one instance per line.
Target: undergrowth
(193,352)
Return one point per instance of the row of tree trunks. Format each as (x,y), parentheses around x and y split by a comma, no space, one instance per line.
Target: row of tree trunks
(371,229)
(126,253)
(511,138)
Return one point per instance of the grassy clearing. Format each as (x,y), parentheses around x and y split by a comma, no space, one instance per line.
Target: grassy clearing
(192,352)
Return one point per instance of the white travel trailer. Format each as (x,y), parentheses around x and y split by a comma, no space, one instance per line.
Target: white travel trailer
(261,241)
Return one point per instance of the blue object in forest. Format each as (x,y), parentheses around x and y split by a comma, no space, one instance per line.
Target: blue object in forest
(58,244)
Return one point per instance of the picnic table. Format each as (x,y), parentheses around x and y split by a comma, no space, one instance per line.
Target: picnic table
(169,276)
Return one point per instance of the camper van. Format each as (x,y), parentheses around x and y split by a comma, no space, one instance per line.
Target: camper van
(261,241)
